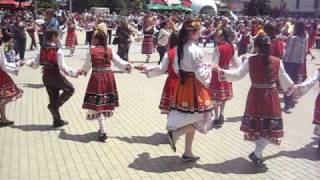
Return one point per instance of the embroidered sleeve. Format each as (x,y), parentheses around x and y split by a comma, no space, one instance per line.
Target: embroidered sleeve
(235,74)
(203,70)
(302,89)
(285,81)
(159,69)
(118,62)
(216,55)
(68,71)
(87,64)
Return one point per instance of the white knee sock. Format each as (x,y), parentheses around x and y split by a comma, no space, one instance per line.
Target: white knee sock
(261,144)
(102,124)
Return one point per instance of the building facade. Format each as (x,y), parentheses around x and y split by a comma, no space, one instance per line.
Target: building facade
(298,6)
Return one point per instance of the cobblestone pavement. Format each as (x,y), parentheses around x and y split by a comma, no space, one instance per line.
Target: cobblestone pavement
(137,146)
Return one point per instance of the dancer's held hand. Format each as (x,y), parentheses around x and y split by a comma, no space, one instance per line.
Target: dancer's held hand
(81,72)
(140,67)
(215,67)
(129,68)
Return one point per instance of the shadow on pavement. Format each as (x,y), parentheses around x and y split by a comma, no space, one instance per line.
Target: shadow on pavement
(33,86)
(309,152)
(155,139)
(35,127)
(234,119)
(83,138)
(161,164)
(165,164)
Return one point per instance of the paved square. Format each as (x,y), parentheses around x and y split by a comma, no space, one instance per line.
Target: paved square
(137,146)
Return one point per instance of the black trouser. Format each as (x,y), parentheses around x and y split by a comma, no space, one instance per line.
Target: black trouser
(33,39)
(40,37)
(89,37)
(318,43)
(20,46)
(109,35)
(55,84)
(292,70)
(123,53)
(162,51)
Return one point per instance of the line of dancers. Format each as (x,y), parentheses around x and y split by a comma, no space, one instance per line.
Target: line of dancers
(194,95)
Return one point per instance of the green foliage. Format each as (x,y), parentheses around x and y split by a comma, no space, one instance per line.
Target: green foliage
(119,6)
(45,4)
(257,7)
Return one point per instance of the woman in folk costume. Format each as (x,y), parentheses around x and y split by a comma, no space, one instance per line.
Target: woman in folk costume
(221,91)
(295,59)
(191,105)
(124,39)
(166,65)
(148,31)
(71,40)
(301,90)
(244,41)
(262,120)
(101,96)
(277,44)
(8,90)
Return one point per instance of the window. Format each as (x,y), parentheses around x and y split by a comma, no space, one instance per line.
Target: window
(316,4)
(298,4)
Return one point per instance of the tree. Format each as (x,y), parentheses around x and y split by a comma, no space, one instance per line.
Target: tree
(137,5)
(257,7)
(45,4)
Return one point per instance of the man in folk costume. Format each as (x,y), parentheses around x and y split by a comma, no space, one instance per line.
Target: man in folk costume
(51,58)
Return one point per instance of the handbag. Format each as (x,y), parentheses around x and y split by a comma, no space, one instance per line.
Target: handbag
(115,40)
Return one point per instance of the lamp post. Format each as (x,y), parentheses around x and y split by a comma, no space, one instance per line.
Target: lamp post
(70,6)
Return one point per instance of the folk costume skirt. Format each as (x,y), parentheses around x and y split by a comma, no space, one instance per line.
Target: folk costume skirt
(101,96)
(262,116)
(8,90)
(220,90)
(167,94)
(147,44)
(71,40)
(191,105)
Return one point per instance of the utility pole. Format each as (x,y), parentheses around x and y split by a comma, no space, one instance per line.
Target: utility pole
(35,5)
(70,6)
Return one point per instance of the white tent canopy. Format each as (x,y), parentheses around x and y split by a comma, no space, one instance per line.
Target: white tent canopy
(204,6)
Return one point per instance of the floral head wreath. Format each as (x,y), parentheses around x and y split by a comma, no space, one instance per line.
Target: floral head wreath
(99,29)
(194,24)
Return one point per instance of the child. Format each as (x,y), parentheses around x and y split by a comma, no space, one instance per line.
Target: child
(301,90)
(51,58)
(221,91)
(101,96)
(262,120)
(8,49)
(71,40)
(8,90)
(166,66)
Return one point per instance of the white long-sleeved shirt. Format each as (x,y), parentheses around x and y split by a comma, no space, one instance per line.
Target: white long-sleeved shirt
(5,65)
(63,67)
(153,71)
(304,87)
(193,62)
(239,73)
(118,62)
